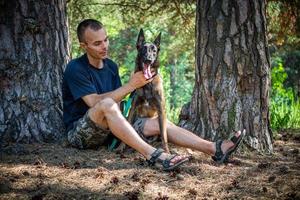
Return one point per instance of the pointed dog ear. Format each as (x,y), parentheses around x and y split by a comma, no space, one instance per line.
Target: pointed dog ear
(141,39)
(157,40)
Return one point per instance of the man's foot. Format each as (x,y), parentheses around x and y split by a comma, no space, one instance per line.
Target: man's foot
(225,148)
(227,144)
(168,162)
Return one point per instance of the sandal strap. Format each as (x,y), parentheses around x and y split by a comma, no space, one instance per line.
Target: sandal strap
(166,162)
(218,154)
(154,156)
(234,139)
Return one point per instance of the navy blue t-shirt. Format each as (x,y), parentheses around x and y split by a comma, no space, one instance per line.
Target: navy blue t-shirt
(81,79)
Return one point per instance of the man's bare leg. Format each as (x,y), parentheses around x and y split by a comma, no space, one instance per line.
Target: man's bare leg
(108,115)
(185,138)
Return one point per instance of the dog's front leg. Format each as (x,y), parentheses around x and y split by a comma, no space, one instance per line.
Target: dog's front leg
(162,119)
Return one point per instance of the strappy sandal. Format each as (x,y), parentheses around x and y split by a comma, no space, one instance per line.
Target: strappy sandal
(221,157)
(166,163)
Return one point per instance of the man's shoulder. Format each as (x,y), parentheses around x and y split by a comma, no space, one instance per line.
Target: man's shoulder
(112,65)
(75,65)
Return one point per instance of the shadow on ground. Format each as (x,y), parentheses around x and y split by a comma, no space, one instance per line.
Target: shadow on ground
(50,171)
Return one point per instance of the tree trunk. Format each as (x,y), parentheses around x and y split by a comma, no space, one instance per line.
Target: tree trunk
(232,74)
(33,53)
(173,83)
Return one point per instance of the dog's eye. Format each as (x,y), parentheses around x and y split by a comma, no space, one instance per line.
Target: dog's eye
(153,48)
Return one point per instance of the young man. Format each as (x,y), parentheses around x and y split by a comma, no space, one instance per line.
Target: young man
(91,93)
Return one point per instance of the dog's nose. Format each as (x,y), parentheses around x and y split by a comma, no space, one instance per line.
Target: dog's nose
(151,57)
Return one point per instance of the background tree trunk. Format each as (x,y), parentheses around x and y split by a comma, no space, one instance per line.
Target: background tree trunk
(232,74)
(173,83)
(33,53)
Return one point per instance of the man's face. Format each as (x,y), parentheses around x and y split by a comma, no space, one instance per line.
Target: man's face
(95,43)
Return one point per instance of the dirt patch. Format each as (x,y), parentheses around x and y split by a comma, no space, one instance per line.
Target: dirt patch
(49,171)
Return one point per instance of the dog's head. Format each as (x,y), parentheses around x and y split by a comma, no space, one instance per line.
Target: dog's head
(147,59)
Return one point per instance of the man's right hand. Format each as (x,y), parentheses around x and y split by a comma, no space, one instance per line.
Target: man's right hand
(138,80)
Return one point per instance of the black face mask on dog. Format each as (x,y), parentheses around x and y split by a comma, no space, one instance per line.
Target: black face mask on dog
(147,54)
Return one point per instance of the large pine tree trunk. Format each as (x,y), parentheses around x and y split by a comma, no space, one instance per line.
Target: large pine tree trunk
(33,53)
(233,73)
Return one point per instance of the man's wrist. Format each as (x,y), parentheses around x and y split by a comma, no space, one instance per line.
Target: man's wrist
(130,88)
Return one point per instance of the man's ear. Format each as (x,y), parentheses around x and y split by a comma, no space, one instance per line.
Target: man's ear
(141,39)
(82,45)
(157,41)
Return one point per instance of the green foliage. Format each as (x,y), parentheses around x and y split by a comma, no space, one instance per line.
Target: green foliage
(179,92)
(283,24)
(285,115)
(291,63)
(284,107)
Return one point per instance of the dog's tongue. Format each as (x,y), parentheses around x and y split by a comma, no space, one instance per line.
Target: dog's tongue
(147,71)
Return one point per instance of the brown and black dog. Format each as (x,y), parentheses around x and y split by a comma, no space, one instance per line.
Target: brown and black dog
(149,100)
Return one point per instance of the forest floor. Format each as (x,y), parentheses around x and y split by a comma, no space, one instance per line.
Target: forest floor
(50,171)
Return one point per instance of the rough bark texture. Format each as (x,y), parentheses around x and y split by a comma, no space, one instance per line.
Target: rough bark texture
(233,73)
(33,53)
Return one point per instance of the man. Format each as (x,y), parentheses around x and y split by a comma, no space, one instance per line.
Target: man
(91,93)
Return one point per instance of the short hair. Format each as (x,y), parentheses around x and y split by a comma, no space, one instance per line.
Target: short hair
(87,23)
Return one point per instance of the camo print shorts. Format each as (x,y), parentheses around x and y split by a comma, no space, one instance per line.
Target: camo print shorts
(139,125)
(86,134)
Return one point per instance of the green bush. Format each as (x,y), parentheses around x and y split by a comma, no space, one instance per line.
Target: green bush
(284,107)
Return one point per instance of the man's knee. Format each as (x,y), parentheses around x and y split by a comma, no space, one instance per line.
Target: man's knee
(107,105)
(151,127)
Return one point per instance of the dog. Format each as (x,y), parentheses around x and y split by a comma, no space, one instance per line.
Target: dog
(149,101)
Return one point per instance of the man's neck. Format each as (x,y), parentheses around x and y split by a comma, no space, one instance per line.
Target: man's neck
(97,63)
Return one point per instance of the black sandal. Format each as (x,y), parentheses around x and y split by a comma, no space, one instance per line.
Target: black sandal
(165,163)
(221,157)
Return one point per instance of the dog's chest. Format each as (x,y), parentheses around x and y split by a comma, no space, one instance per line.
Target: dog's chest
(147,103)
(147,93)
(150,99)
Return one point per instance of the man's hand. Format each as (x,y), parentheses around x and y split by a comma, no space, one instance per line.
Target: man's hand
(138,80)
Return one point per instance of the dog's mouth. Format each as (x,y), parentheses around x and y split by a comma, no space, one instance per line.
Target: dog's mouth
(147,70)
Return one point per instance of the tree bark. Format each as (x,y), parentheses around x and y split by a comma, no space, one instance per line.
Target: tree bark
(173,83)
(33,53)
(232,74)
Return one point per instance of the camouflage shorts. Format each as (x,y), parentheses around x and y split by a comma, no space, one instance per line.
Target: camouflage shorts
(86,134)
(139,125)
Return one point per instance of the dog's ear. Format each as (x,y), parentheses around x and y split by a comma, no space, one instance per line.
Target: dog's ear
(157,41)
(141,39)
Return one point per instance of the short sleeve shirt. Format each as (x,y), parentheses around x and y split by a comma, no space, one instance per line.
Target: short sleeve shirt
(81,79)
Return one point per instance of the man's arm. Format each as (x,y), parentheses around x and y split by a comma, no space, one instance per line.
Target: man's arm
(137,80)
